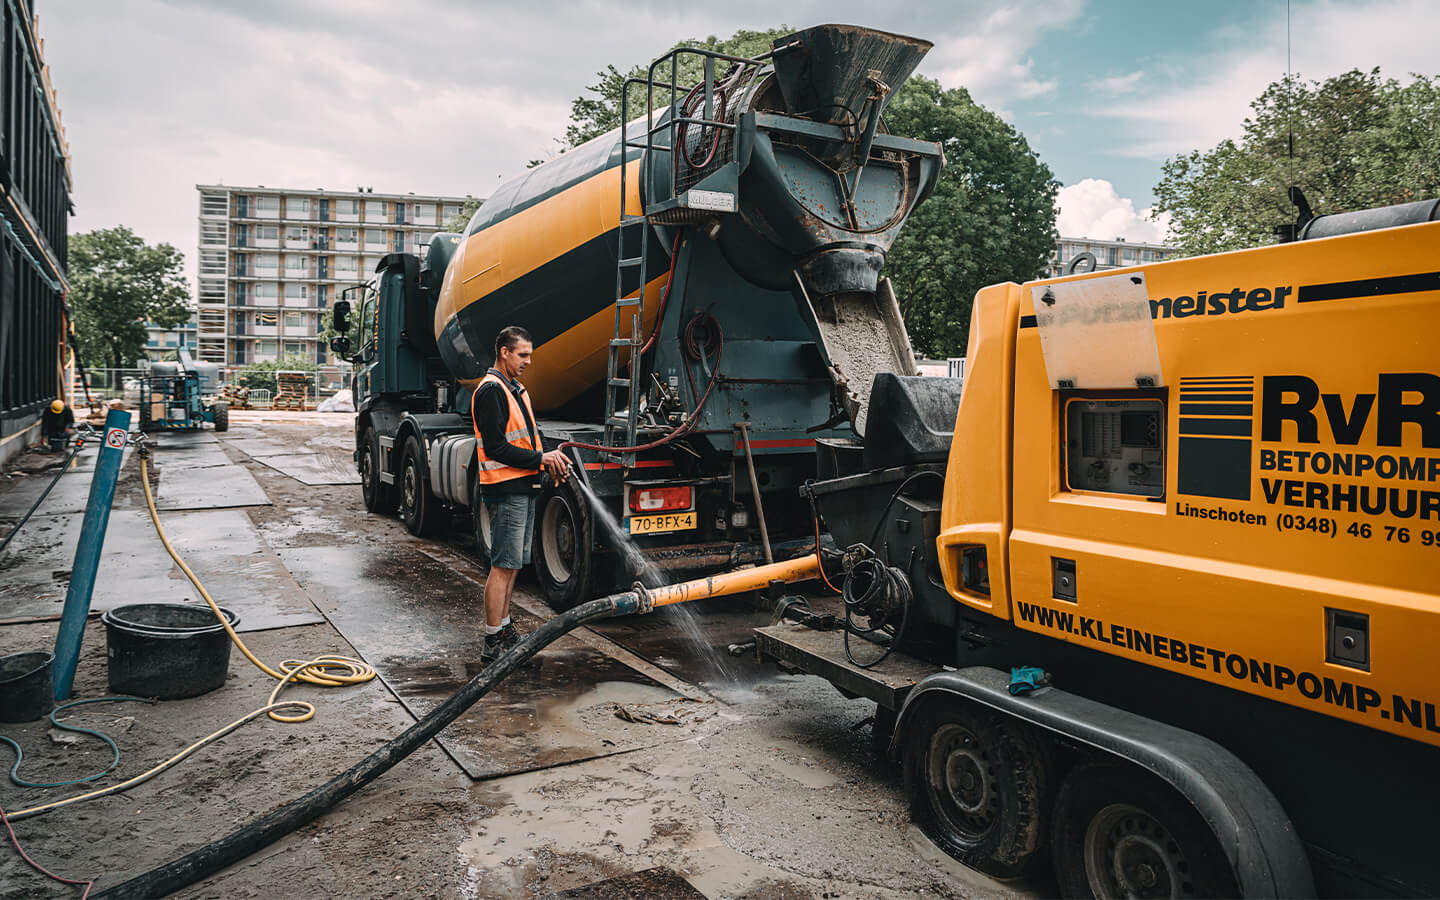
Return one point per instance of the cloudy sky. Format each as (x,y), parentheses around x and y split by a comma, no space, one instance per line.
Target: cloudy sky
(451,97)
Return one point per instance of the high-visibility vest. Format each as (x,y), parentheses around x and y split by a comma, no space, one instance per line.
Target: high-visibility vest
(517,432)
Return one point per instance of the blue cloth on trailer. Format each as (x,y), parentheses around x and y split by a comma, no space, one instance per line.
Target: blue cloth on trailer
(1024,679)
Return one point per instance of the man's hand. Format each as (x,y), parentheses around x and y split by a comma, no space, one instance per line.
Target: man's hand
(556,464)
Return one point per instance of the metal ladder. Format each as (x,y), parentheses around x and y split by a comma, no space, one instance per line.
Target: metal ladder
(623,391)
(622,422)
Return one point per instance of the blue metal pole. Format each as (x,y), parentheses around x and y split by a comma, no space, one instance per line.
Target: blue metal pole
(87,551)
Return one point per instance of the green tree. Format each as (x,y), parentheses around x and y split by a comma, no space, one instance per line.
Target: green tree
(458,221)
(592,116)
(1359,141)
(991,218)
(117,284)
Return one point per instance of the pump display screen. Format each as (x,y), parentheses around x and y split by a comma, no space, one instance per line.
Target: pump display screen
(1115,446)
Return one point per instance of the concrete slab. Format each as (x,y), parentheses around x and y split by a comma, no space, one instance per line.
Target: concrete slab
(222,547)
(217,487)
(191,456)
(70,495)
(418,622)
(311,468)
(257,446)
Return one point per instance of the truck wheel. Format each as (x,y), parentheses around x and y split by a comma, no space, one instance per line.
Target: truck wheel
(220,413)
(564,551)
(480,527)
(1119,832)
(379,497)
(419,509)
(979,786)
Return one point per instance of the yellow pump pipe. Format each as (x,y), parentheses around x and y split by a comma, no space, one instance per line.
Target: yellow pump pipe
(757,578)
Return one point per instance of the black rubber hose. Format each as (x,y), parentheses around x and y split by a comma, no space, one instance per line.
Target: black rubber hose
(232,848)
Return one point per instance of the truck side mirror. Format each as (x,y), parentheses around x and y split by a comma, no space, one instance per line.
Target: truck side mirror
(340,321)
(340,318)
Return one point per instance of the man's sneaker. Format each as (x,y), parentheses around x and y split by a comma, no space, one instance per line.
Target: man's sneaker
(509,636)
(494,648)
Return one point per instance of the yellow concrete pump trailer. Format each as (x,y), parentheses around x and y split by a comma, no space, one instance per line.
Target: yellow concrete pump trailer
(1203,496)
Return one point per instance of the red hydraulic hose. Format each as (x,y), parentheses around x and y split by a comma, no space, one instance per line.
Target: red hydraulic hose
(664,299)
(684,427)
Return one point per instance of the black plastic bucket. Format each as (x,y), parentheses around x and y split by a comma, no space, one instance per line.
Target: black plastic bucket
(26,691)
(166,650)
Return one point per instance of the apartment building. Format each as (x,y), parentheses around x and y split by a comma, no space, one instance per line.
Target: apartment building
(272,260)
(162,343)
(1108,254)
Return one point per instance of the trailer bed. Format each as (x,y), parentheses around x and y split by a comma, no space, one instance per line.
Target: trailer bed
(797,648)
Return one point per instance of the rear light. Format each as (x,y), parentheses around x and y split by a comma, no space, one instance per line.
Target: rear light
(659,499)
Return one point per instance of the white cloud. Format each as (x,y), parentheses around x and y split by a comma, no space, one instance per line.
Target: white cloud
(1091,209)
(1328,37)
(992,59)
(1118,84)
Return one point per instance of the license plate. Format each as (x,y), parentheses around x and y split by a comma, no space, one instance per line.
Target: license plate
(662,523)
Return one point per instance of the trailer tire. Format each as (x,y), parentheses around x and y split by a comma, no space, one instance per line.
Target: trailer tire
(979,786)
(480,527)
(220,414)
(1118,832)
(379,497)
(564,546)
(419,508)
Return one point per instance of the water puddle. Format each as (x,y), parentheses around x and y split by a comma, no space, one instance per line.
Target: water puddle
(714,659)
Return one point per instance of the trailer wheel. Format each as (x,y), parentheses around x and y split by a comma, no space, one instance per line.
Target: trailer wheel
(979,786)
(480,526)
(1121,833)
(564,552)
(379,497)
(220,414)
(418,507)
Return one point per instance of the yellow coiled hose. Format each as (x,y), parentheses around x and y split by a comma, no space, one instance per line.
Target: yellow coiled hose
(325,671)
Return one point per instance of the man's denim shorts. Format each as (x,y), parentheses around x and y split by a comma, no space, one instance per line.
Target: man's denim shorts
(512,521)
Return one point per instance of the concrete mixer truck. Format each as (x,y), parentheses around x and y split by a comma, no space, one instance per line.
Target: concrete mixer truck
(703,286)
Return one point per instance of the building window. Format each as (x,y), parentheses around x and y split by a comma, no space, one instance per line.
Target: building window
(267,291)
(374,237)
(269,261)
(296,291)
(296,263)
(267,203)
(298,204)
(264,348)
(294,348)
(347,235)
(374,210)
(265,319)
(267,232)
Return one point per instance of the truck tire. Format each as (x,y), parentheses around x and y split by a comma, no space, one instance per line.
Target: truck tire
(564,546)
(979,786)
(419,509)
(1119,832)
(379,497)
(480,527)
(220,414)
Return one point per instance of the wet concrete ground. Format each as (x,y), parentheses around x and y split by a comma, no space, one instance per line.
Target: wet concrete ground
(757,785)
